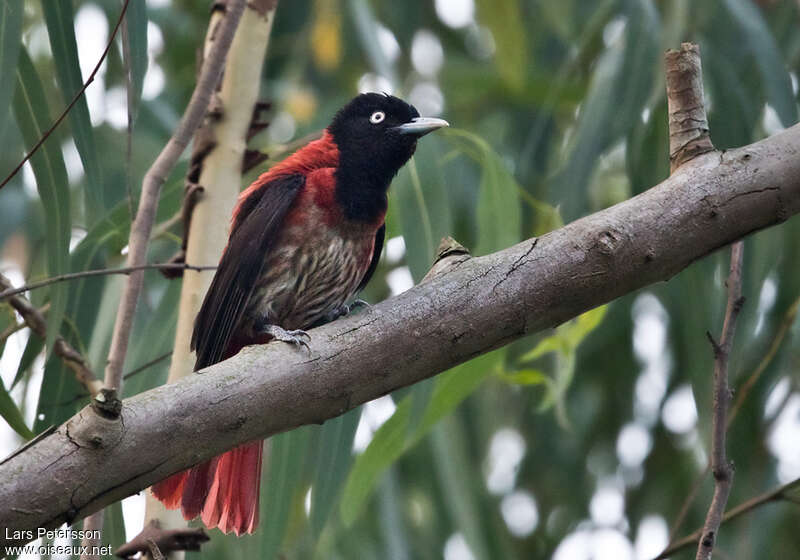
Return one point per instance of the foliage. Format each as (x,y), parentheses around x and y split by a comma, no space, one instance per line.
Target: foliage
(558,110)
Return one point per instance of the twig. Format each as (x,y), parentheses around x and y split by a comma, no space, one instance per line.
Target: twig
(12,291)
(741,396)
(77,96)
(688,125)
(126,63)
(34,318)
(720,467)
(164,540)
(780,493)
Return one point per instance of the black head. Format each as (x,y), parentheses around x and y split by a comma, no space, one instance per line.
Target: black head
(376,135)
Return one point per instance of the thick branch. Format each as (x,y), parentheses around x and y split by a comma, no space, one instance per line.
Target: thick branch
(720,467)
(482,304)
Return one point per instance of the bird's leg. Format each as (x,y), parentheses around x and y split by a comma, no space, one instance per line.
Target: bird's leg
(297,337)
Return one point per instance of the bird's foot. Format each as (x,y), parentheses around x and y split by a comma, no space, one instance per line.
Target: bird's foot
(358,304)
(296,337)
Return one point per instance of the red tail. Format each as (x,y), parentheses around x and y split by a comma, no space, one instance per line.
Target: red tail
(223,490)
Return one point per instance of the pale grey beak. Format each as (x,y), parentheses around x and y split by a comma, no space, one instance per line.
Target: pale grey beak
(421,126)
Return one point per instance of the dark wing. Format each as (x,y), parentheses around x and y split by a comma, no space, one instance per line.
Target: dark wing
(257,224)
(376,256)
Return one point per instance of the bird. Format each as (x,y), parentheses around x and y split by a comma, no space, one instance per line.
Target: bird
(305,238)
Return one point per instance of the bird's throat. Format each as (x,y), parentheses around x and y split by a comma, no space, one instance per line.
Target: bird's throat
(361,193)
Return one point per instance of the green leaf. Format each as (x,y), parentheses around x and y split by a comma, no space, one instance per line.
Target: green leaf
(767,58)
(33,118)
(333,460)
(504,19)
(59,17)
(647,150)
(367,31)
(393,438)
(619,88)
(286,455)
(153,336)
(568,336)
(12,415)
(136,23)
(113,526)
(10,41)
(525,377)
(498,212)
(455,474)
(553,343)
(7,319)
(421,200)
(32,349)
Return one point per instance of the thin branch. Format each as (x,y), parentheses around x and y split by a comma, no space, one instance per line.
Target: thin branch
(151,185)
(164,540)
(741,396)
(12,329)
(126,64)
(146,213)
(72,103)
(73,359)
(12,291)
(779,493)
(720,467)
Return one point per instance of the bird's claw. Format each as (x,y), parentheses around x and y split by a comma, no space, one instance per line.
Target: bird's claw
(296,337)
(358,304)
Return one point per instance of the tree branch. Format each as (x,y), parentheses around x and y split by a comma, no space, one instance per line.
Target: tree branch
(481,304)
(151,185)
(779,493)
(720,467)
(12,291)
(688,125)
(61,348)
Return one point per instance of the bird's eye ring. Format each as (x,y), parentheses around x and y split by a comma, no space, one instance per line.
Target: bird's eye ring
(377,117)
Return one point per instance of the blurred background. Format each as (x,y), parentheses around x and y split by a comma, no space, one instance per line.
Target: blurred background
(575,444)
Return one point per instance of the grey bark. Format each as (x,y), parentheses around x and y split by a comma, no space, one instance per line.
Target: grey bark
(478,305)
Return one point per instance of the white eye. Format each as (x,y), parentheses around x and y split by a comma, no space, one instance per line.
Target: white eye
(377,117)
